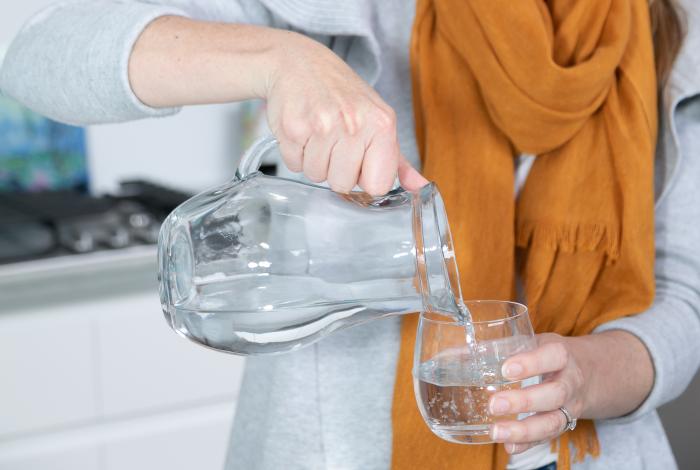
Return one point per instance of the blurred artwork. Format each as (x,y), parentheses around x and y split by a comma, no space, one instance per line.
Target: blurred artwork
(38,154)
(251,122)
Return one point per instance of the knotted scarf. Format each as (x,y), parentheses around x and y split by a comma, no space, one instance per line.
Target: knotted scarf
(573,83)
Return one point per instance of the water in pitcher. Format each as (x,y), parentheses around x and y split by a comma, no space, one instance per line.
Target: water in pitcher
(281,313)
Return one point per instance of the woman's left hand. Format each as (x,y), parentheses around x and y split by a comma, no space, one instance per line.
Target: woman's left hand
(564,383)
(578,374)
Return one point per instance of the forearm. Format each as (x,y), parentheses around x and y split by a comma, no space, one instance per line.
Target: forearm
(619,372)
(177,61)
(314,99)
(69,62)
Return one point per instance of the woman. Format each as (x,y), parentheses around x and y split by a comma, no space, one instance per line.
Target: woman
(330,405)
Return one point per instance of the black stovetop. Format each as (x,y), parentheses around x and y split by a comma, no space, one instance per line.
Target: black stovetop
(54,223)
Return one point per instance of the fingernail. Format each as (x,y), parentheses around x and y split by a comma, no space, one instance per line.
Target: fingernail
(499,405)
(512,370)
(500,433)
(510,448)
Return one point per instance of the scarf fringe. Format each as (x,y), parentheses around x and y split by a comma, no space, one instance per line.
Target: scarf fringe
(584,440)
(570,238)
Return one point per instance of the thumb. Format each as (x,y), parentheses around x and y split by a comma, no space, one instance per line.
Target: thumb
(409,177)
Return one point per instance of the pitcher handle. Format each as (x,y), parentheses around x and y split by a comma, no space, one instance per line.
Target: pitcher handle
(252,158)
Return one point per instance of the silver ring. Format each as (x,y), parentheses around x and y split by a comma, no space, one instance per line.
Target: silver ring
(570,420)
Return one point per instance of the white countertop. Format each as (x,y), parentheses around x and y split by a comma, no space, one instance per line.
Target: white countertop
(99,273)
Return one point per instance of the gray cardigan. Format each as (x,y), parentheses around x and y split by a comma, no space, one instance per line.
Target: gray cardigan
(329,405)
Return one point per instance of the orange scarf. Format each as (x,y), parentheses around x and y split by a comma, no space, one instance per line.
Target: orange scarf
(572,82)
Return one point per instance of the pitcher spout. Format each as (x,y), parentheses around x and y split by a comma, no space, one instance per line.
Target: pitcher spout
(436,264)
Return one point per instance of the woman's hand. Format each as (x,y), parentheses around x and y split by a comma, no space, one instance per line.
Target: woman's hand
(577,373)
(331,124)
(563,384)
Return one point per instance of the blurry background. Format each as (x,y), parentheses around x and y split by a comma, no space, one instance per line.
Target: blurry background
(91,377)
(193,150)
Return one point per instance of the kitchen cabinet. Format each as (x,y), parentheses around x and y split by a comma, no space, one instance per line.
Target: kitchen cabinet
(92,378)
(46,372)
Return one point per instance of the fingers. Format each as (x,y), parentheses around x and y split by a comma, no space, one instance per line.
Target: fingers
(544,397)
(538,427)
(381,160)
(292,155)
(409,177)
(321,111)
(564,386)
(293,134)
(378,168)
(356,145)
(316,159)
(545,359)
(519,448)
(345,164)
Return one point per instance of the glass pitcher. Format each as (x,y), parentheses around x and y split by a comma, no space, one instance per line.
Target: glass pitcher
(264,264)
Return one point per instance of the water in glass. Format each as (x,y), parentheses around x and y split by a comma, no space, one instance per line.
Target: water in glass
(455,374)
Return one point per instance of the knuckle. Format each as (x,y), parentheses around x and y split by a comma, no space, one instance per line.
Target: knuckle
(352,119)
(560,393)
(522,432)
(385,119)
(296,130)
(554,423)
(543,339)
(577,377)
(560,353)
(524,402)
(577,407)
(537,362)
(323,121)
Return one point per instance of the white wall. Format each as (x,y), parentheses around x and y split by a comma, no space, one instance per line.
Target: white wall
(193,150)
(14,13)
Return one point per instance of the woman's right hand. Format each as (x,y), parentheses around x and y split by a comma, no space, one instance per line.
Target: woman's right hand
(331,124)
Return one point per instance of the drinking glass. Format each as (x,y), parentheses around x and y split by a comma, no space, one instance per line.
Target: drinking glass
(457,367)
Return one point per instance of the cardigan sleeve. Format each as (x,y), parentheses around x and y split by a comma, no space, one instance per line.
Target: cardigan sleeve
(670,329)
(70,61)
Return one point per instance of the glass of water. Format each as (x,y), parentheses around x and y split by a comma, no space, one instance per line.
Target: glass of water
(457,367)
